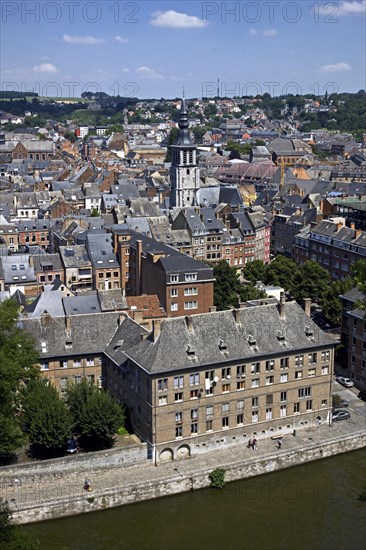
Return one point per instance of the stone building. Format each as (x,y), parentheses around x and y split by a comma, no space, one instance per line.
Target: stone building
(208,381)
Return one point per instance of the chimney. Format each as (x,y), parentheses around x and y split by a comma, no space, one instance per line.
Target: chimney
(307,306)
(68,323)
(138,265)
(156,329)
(236,313)
(353,225)
(281,305)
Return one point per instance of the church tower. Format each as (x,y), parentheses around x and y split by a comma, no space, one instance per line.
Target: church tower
(184,172)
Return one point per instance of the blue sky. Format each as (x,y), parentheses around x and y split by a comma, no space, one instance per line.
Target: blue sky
(154,49)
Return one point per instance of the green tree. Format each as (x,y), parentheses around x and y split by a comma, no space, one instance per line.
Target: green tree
(251,292)
(310,280)
(255,271)
(331,302)
(94,212)
(96,416)
(280,272)
(18,359)
(13,537)
(358,271)
(46,419)
(226,287)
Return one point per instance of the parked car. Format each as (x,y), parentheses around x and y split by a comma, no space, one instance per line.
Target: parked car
(362,395)
(340,404)
(344,381)
(71,446)
(340,415)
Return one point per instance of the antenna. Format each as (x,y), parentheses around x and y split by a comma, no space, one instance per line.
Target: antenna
(218,87)
(183,93)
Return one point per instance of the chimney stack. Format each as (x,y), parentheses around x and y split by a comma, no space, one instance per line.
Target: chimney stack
(353,225)
(189,323)
(156,329)
(282,305)
(307,306)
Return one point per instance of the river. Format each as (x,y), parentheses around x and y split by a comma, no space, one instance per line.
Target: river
(310,506)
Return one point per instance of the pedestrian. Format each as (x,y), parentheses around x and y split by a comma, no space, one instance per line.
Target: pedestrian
(254,444)
(280,443)
(250,443)
(87,485)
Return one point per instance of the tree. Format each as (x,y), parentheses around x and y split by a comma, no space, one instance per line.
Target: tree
(46,419)
(331,302)
(280,272)
(18,359)
(94,212)
(251,292)
(226,287)
(255,271)
(96,416)
(13,537)
(310,280)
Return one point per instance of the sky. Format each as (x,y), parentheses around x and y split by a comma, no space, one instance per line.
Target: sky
(154,49)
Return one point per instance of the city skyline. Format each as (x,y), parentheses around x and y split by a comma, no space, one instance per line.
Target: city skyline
(153,49)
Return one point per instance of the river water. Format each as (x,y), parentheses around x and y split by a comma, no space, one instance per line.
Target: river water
(313,506)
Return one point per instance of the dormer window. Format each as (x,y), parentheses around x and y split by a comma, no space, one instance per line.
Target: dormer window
(280,335)
(252,340)
(309,332)
(44,347)
(222,345)
(190,351)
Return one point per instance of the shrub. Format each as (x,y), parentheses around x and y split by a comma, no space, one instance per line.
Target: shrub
(217,478)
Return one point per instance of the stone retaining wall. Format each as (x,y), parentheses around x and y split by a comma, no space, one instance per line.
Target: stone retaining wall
(169,485)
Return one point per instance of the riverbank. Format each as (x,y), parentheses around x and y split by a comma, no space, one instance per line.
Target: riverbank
(47,496)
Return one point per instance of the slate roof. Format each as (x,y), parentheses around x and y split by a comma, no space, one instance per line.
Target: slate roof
(262,322)
(112,300)
(40,261)
(75,256)
(88,334)
(82,304)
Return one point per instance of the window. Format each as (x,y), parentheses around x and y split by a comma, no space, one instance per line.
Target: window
(63,383)
(225,408)
(178,431)
(194,379)
(240,385)
(284,377)
(193,304)
(178,382)
(309,405)
(298,375)
(254,401)
(77,363)
(240,405)
(190,291)
(190,277)
(254,416)
(226,373)
(240,419)
(194,428)
(225,422)
(209,426)
(163,384)
(163,399)
(174,307)
(325,356)
(173,292)
(312,372)
(91,378)
(283,411)
(63,364)
(304,392)
(178,396)
(269,380)
(45,365)
(296,408)
(269,414)
(269,366)
(283,396)
(174,278)
(325,370)
(209,411)
(312,358)
(299,360)
(255,383)
(194,394)
(255,368)
(90,362)
(194,414)
(240,371)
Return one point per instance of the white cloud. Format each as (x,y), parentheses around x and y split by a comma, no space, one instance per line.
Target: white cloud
(253,32)
(334,68)
(121,39)
(270,32)
(344,8)
(126,70)
(174,19)
(45,68)
(88,40)
(146,72)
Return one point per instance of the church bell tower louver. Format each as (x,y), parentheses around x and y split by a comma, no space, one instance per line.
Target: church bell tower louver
(184,172)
